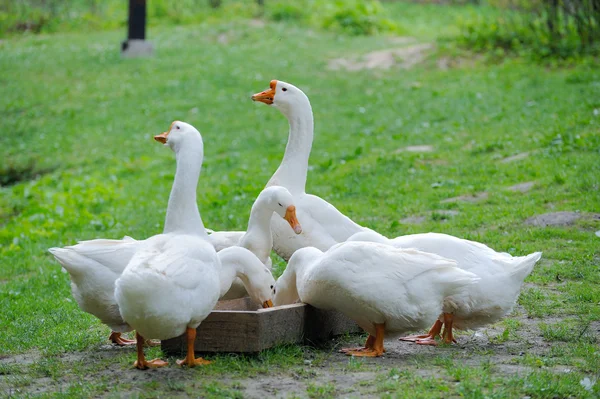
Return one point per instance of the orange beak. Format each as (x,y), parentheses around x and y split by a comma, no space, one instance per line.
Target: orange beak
(162,138)
(290,216)
(267,304)
(266,96)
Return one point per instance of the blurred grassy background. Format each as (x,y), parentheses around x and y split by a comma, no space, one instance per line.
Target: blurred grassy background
(79,162)
(540,29)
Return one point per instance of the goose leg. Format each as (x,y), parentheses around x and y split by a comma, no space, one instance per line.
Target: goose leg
(141,362)
(447,336)
(377,349)
(434,331)
(368,345)
(117,338)
(190,360)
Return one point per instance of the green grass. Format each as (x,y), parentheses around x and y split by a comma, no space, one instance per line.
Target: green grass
(78,121)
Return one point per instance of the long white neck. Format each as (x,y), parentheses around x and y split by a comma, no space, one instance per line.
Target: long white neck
(300,264)
(237,262)
(182,212)
(291,173)
(258,238)
(287,288)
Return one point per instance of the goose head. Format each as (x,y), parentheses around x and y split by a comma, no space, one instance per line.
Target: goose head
(280,201)
(178,134)
(283,96)
(260,286)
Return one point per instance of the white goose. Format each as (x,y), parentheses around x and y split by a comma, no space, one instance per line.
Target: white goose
(501,276)
(272,201)
(322,224)
(95,265)
(384,289)
(175,279)
(257,237)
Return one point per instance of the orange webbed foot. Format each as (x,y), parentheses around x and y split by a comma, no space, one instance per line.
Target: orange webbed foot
(150,364)
(117,338)
(356,349)
(365,353)
(415,338)
(194,362)
(426,341)
(433,332)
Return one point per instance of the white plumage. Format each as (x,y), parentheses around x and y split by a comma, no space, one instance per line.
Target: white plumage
(374,284)
(501,276)
(94,266)
(322,224)
(172,283)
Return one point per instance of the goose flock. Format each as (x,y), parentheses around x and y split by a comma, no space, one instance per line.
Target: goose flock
(166,285)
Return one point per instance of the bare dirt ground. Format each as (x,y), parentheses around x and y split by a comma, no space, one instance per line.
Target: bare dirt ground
(345,377)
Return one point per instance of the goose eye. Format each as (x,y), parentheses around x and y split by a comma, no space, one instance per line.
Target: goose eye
(271,287)
(177,127)
(279,203)
(284,89)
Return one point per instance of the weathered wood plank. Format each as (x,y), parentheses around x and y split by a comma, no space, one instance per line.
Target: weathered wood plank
(241,326)
(321,325)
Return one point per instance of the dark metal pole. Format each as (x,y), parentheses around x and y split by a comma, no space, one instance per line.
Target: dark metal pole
(137,19)
(136,44)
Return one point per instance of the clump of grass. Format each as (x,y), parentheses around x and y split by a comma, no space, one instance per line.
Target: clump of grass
(538,29)
(356,17)
(316,391)
(346,16)
(567,331)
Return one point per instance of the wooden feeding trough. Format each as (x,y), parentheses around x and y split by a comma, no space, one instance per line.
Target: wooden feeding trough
(240,325)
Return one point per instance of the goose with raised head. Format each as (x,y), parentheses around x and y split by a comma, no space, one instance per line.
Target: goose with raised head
(384,289)
(95,265)
(322,224)
(174,280)
(501,277)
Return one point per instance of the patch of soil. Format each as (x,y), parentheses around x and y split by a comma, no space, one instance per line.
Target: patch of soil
(414,220)
(359,379)
(516,157)
(415,148)
(422,219)
(522,187)
(405,57)
(560,218)
(257,23)
(445,63)
(223,38)
(467,198)
(402,40)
